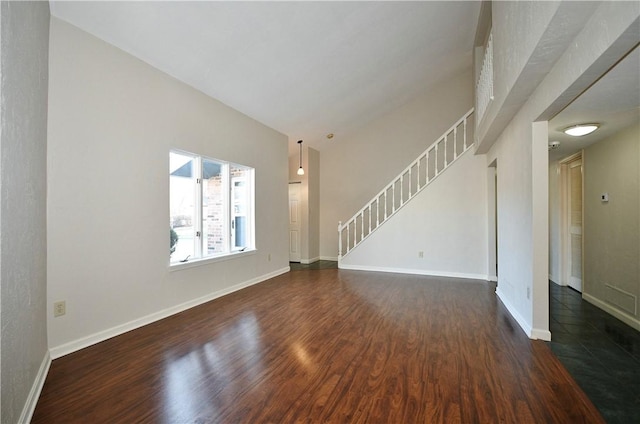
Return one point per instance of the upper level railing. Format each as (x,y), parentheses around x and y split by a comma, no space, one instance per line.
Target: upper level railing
(484,86)
(413,179)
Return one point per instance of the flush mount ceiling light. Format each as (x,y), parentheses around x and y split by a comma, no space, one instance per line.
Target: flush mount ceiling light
(580,129)
(300,170)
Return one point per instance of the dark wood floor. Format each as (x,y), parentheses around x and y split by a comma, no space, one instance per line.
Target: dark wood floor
(328,346)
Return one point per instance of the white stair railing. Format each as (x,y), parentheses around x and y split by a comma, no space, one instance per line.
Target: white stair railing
(412,180)
(484,85)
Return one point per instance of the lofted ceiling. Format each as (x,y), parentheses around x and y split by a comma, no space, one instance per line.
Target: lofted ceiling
(613,102)
(306,69)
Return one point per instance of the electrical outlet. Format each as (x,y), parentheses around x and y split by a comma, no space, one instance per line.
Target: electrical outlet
(59,308)
(421,254)
(528,292)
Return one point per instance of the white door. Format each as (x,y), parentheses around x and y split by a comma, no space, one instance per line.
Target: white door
(294,223)
(574,242)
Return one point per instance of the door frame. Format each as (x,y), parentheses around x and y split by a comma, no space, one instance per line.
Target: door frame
(298,258)
(565,243)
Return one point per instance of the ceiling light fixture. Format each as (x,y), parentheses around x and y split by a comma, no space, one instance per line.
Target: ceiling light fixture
(300,170)
(581,129)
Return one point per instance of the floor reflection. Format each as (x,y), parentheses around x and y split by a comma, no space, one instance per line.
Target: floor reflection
(193,381)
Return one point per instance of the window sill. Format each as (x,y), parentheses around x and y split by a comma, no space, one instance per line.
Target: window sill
(210,260)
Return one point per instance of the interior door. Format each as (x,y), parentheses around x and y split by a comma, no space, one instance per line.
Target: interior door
(294,223)
(574,241)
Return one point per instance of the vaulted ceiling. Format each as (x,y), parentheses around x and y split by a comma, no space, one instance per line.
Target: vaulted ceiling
(305,69)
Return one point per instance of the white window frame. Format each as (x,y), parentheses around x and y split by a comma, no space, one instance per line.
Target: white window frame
(199,256)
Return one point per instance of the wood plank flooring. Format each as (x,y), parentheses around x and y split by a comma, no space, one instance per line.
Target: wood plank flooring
(323,346)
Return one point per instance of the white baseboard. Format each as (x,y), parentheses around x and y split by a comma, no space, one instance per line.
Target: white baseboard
(36,389)
(514,312)
(309,261)
(622,316)
(73,346)
(493,278)
(484,277)
(539,334)
(532,333)
(329,258)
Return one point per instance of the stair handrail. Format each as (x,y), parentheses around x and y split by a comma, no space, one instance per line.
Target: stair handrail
(467,144)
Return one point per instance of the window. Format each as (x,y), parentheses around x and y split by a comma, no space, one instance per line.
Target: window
(211,207)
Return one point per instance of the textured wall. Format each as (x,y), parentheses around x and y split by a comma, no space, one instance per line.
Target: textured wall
(23,258)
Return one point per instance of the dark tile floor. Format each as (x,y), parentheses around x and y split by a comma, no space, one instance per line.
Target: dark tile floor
(601,353)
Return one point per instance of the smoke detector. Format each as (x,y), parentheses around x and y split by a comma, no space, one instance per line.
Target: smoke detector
(554,145)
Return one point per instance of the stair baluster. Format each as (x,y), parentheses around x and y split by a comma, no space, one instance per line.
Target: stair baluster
(433,151)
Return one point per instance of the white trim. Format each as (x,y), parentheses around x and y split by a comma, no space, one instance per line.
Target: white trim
(177,266)
(329,258)
(36,389)
(310,261)
(514,312)
(622,316)
(557,283)
(484,277)
(73,346)
(493,278)
(532,333)
(538,334)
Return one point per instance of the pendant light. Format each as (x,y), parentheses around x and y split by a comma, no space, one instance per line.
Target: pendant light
(300,170)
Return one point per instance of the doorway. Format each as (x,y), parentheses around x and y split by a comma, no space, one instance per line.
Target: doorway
(294,222)
(572,211)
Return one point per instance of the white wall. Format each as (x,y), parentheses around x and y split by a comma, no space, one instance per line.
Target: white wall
(23,254)
(112,121)
(521,149)
(358,165)
(611,230)
(447,221)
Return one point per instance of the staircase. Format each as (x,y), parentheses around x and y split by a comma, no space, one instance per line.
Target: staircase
(411,181)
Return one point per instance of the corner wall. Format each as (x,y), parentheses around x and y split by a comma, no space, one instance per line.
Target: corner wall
(112,121)
(23,250)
